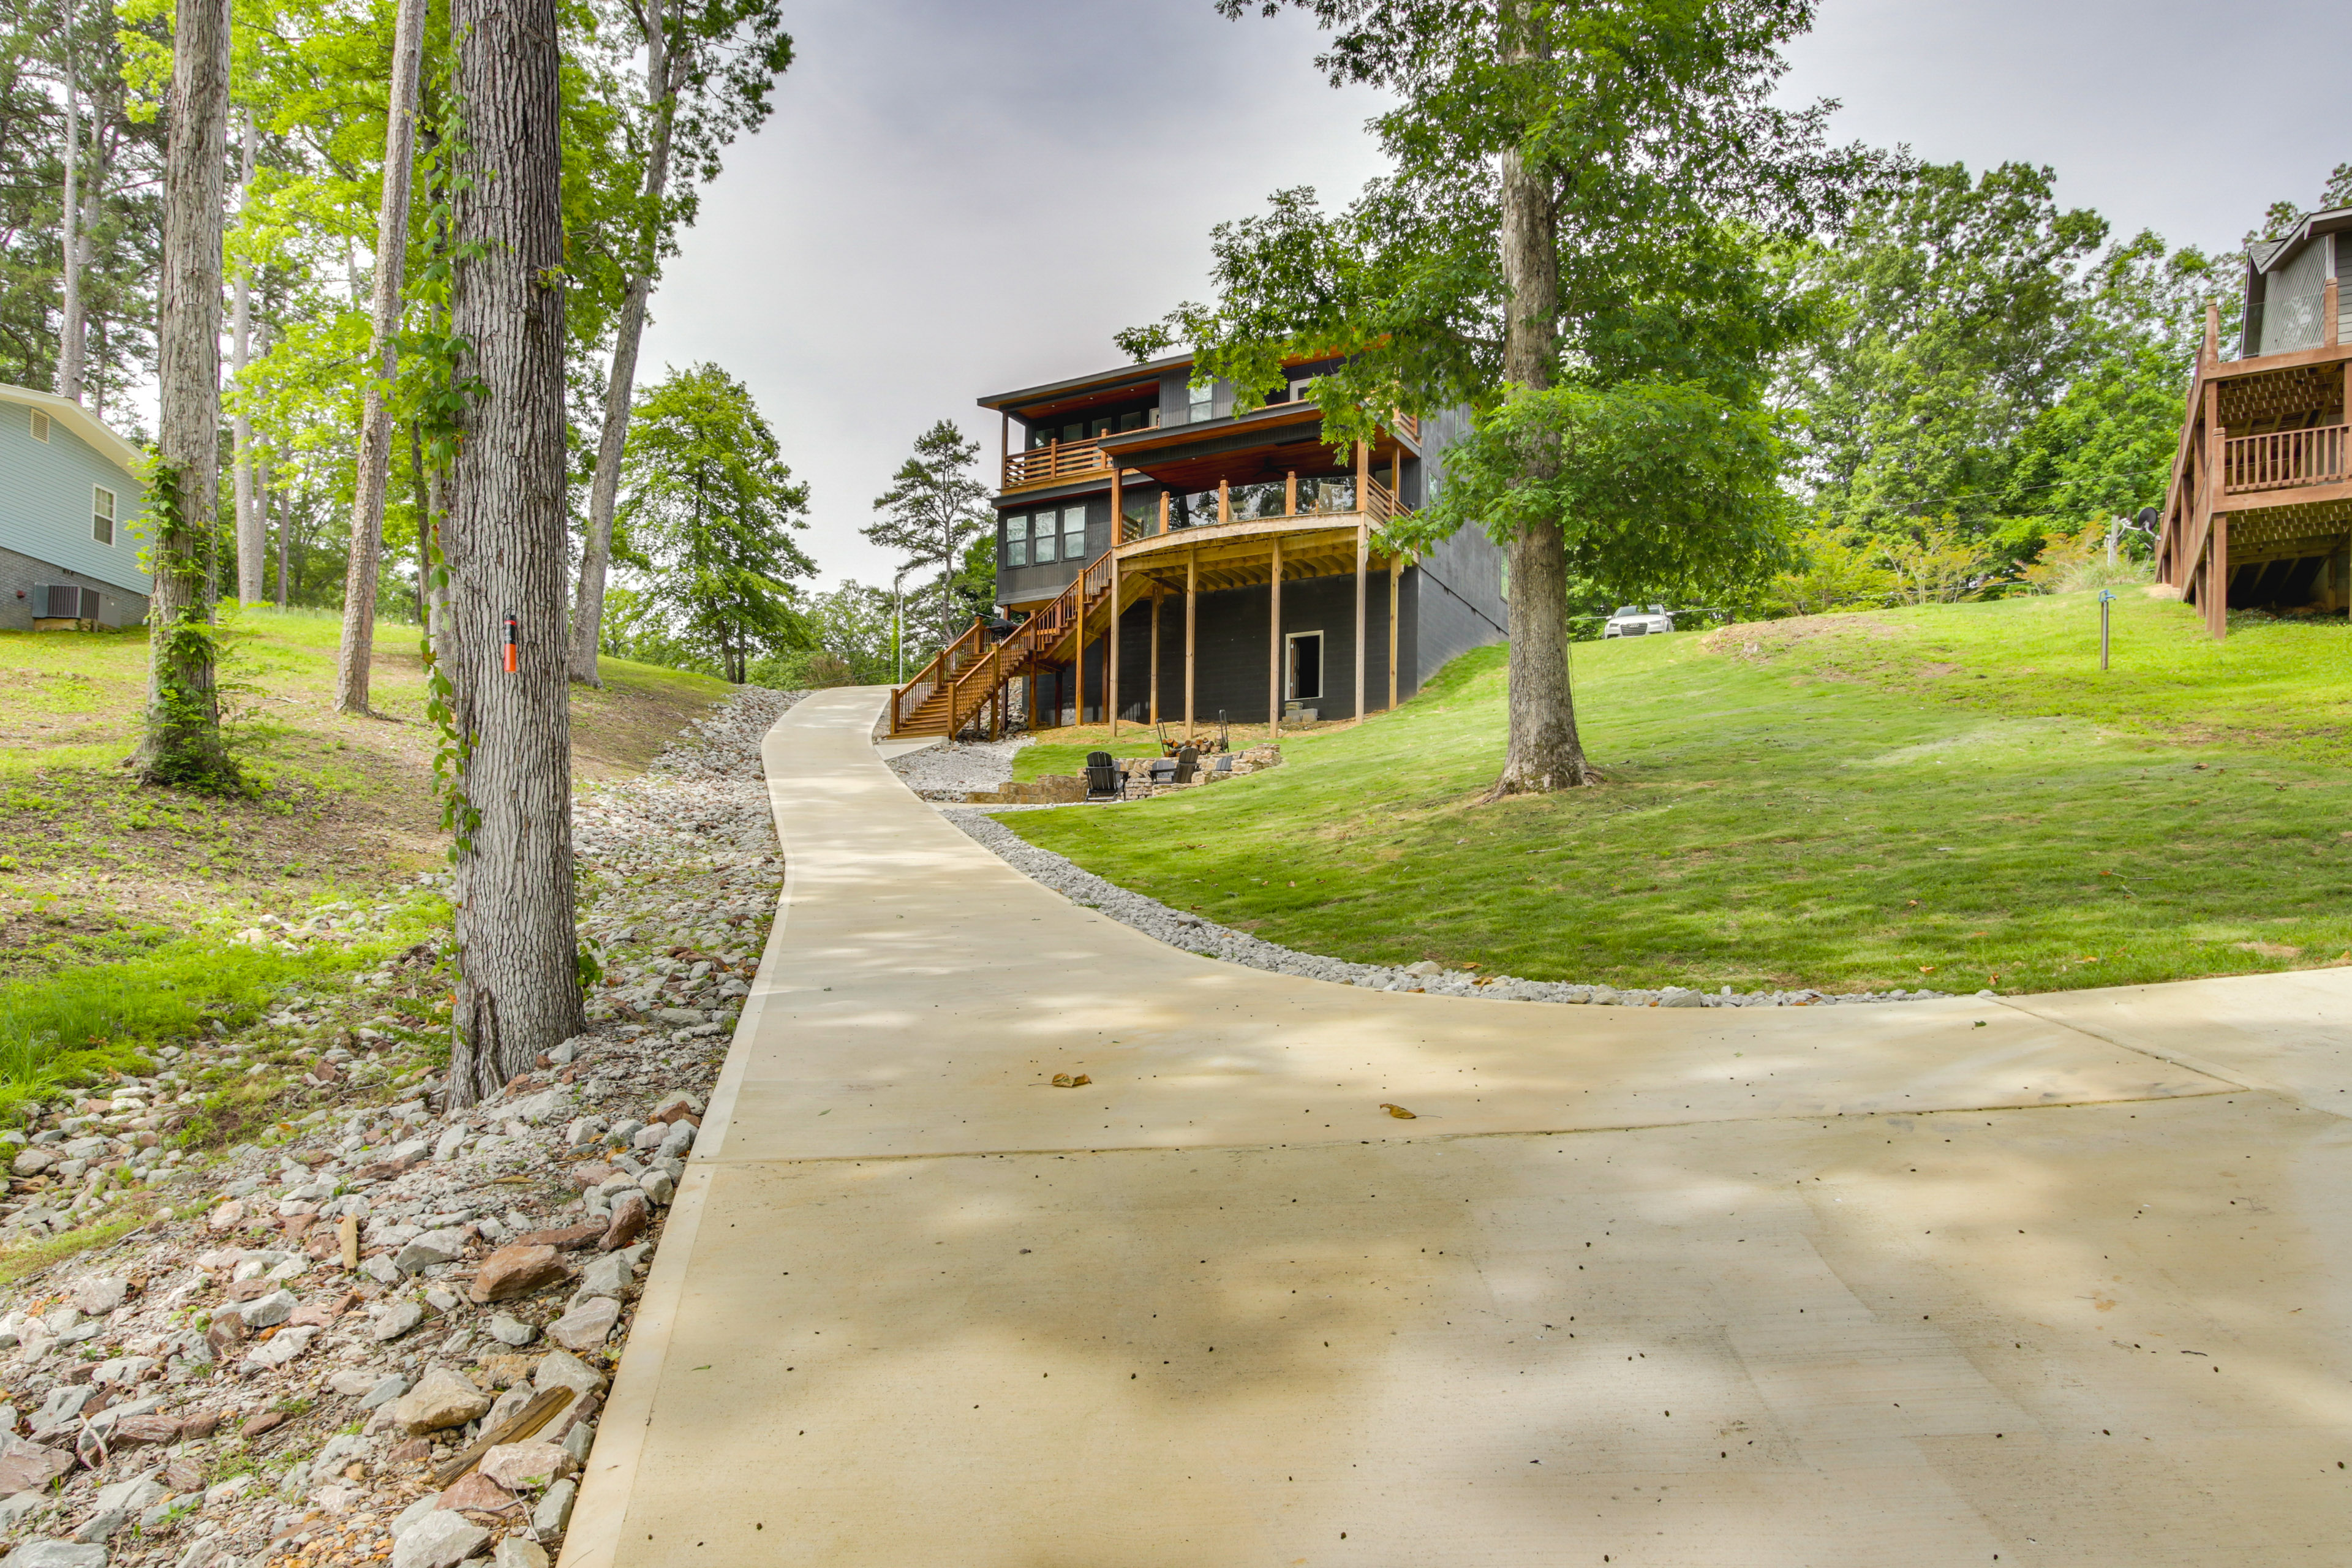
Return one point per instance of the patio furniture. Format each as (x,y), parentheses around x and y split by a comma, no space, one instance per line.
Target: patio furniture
(1187,764)
(1105,781)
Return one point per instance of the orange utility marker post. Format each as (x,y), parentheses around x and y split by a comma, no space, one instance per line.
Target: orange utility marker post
(513,663)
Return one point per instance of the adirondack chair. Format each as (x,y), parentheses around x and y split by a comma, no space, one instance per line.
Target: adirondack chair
(1187,763)
(1105,781)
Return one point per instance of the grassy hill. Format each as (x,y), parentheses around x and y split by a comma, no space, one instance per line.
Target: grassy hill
(115,898)
(1953,796)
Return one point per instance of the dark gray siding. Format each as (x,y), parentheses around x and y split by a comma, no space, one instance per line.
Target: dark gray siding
(1459,607)
(1027,584)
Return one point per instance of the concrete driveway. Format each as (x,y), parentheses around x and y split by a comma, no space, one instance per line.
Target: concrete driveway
(2064,1279)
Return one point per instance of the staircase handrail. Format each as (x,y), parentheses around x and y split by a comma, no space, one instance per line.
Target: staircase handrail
(905,699)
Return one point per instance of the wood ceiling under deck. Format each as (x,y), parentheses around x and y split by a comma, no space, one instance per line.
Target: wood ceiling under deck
(1241,555)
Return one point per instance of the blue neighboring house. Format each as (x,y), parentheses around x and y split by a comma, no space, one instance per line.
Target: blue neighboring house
(71,515)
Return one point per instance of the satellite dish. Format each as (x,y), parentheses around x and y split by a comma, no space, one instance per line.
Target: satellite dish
(2146,517)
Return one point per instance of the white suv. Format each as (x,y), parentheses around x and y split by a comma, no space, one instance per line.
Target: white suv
(1635,621)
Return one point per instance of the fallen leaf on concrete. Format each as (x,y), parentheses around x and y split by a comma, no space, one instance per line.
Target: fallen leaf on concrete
(1399,1112)
(1064,1080)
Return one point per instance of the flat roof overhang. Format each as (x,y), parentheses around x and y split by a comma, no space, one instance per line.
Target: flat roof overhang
(1053,395)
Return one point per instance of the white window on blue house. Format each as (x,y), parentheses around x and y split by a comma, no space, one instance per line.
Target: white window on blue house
(41,425)
(101,514)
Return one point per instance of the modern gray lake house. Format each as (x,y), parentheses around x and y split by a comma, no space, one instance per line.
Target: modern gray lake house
(71,506)
(1163,559)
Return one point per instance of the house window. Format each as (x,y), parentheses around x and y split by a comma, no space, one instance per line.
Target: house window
(1073,534)
(1304,681)
(1016,541)
(41,425)
(1198,402)
(1042,541)
(101,514)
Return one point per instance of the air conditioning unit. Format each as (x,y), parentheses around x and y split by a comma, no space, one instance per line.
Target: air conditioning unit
(65,601)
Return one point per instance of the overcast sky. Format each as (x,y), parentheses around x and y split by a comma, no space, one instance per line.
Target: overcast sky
(956,198)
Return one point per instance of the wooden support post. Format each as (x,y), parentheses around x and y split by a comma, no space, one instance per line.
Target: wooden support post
(1110,640)
(1004,447)
(1274,646)
(1225,502)
(1157,593)
(2327,298)
(1290,494)
(1363,479)
(1363,562)
(1396,570)
(2217,578)
(1396,476)
(1078,713)
(1117,514)
(1163,511)
(1192,591)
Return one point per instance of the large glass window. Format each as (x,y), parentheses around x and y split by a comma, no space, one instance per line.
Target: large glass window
(1073,534)
(1016,541)
(1041,543)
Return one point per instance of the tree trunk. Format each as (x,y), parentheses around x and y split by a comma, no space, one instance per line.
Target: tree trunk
(249,550)
(69,328)
(183,742)
(507,548)
(1543,752)
(366,562)
(424,531)
(604,489)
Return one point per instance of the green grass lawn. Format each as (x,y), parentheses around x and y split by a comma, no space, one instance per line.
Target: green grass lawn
(1952,796)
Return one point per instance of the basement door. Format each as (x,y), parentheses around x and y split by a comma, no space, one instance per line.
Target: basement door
(1303,662)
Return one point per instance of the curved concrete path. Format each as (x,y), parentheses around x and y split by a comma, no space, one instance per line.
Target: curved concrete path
(2062,1280)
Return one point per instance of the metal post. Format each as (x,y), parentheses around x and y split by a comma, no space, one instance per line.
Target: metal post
(2105,599)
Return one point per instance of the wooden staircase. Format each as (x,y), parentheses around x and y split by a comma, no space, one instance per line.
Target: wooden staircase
(956,687)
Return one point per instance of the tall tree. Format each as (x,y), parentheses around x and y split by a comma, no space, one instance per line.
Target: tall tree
(70,329)
(709,66)
(240,337)
(708,512)
(934,505)
(1564,171)
(183,742)
(365,563)
(518,989)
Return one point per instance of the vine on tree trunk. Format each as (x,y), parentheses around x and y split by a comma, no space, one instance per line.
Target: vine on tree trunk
(186,751)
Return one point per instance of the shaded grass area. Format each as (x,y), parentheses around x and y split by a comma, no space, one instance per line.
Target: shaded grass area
(1951,796)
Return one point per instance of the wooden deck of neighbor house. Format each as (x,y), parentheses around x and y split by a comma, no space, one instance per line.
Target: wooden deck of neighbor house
(2259,510)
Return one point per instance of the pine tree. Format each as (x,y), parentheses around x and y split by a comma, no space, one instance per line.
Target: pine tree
(932,507)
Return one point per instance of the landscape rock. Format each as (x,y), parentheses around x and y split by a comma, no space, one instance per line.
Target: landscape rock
(515,1551)
(529,1465)
(439,1540)
(268,1311)
(475,1492)
(101,1295)
(586,1326)
(561,1368)
(441,1399)
(553,1514)
(445,1245)
(632,1212)
(397,1320)
(506,1331)
(515,1269)
(56,1555)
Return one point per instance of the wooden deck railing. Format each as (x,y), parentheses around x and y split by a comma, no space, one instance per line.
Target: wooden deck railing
(1055,462)
(2283,458)
(1381,506)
